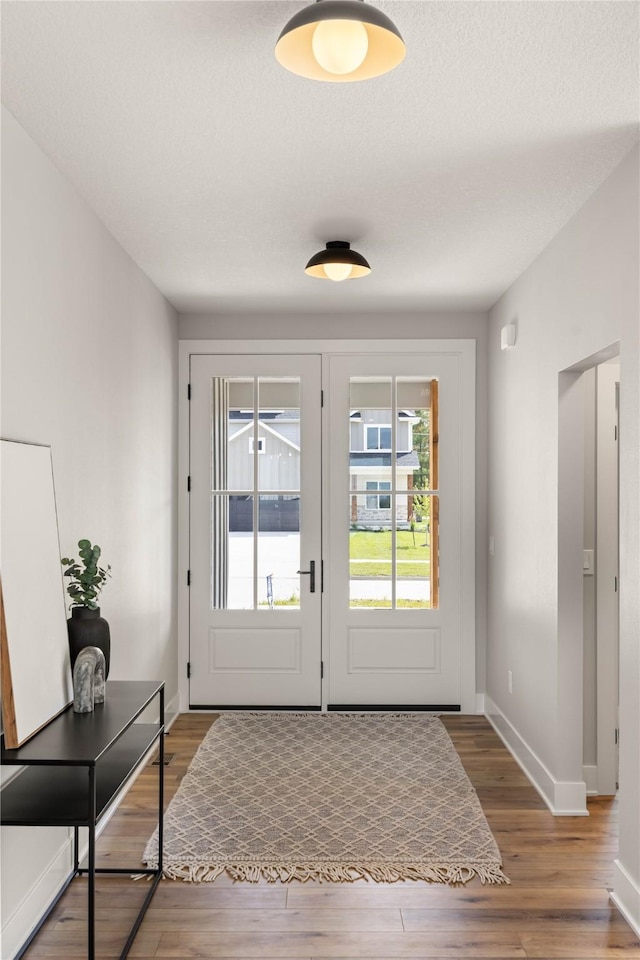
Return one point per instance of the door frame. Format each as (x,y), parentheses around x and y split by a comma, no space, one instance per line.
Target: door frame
(465,349)
(607,571)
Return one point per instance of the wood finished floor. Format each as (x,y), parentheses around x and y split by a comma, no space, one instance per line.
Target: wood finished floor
(557,905)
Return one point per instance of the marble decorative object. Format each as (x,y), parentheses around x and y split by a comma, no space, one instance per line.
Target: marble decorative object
(88,679)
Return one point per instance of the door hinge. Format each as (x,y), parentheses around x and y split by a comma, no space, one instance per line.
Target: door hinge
(188,391)
(322,398)
(322,576)
(616,735)
(188,578)
(188,484)
(615,433)
(322,669)
(615,584)
(188,670)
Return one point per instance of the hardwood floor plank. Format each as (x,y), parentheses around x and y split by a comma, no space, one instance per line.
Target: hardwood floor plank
(214,921)
(430,896)
(554,922)
(360,946)
(240,896)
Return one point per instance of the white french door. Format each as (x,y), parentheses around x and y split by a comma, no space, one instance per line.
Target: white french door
(395,527)
(382,607)
(255,477)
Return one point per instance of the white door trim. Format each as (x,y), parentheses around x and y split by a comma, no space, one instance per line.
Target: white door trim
(607,571)
(465,349)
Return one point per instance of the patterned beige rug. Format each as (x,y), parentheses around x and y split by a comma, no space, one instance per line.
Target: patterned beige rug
(327,797)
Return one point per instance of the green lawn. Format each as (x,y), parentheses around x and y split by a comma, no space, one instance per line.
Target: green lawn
(370,553)
(400,603)
(383,569)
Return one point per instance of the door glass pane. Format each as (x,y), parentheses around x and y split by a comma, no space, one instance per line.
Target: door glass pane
(369,559)
(278,434)
(413,552)
(433,532)
(370,432)
(231,552)
(278,580)
(237,473)
(414,444)
(370,502)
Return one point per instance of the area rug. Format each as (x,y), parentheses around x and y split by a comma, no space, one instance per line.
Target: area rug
(336,797)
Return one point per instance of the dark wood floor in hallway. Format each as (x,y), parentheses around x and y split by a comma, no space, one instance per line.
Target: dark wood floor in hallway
(556,906)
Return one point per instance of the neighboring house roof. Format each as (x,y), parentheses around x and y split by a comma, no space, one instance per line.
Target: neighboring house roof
(266,428)
(377,459)
(245,415)
(402,415)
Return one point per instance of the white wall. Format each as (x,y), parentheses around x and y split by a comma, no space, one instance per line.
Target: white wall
(577,298)
(380,326)
(89,366)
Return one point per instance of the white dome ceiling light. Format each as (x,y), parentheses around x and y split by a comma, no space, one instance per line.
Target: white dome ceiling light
(340,41)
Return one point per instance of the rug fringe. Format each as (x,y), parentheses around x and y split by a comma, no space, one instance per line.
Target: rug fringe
(312,716)
(335,872)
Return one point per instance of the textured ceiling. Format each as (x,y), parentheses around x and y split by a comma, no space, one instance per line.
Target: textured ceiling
(221,174)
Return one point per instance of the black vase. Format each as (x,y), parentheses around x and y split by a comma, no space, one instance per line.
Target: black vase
(87,628)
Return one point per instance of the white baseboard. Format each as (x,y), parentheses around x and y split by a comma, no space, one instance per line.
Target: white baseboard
(563,798)
(480,704)
(626,896)
(590,775)
(24,919)
(171,711)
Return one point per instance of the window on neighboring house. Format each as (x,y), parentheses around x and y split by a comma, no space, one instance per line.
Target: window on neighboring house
(260,445)
(378,501)
(378,438)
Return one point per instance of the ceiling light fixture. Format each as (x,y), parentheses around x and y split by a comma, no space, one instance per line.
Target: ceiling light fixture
(340,41)
(337,262)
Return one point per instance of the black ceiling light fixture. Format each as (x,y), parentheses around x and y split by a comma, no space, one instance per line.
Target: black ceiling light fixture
(340,41)
(337,262)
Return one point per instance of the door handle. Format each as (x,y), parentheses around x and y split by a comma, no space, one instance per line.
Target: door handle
(311,572)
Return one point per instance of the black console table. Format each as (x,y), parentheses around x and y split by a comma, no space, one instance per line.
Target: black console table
(75,767)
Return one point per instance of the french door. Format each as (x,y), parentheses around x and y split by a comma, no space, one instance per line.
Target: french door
(395,523)
(255,571)
(382,607)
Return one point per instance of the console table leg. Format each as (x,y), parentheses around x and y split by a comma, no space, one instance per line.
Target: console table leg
(161,785)
(91,879)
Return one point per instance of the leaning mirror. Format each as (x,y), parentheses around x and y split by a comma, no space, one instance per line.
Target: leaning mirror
(36,675)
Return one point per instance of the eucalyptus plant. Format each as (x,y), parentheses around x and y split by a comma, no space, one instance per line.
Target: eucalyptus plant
(86,578)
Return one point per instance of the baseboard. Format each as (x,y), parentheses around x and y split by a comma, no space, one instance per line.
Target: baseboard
(56,874)
(590,774)
(626,896)
(172,712)
(563,798)
(37,901)
(480,704)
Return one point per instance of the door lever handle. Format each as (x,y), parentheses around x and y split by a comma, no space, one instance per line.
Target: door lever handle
(311,573)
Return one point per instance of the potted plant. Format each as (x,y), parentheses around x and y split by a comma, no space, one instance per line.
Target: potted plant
(86,628)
